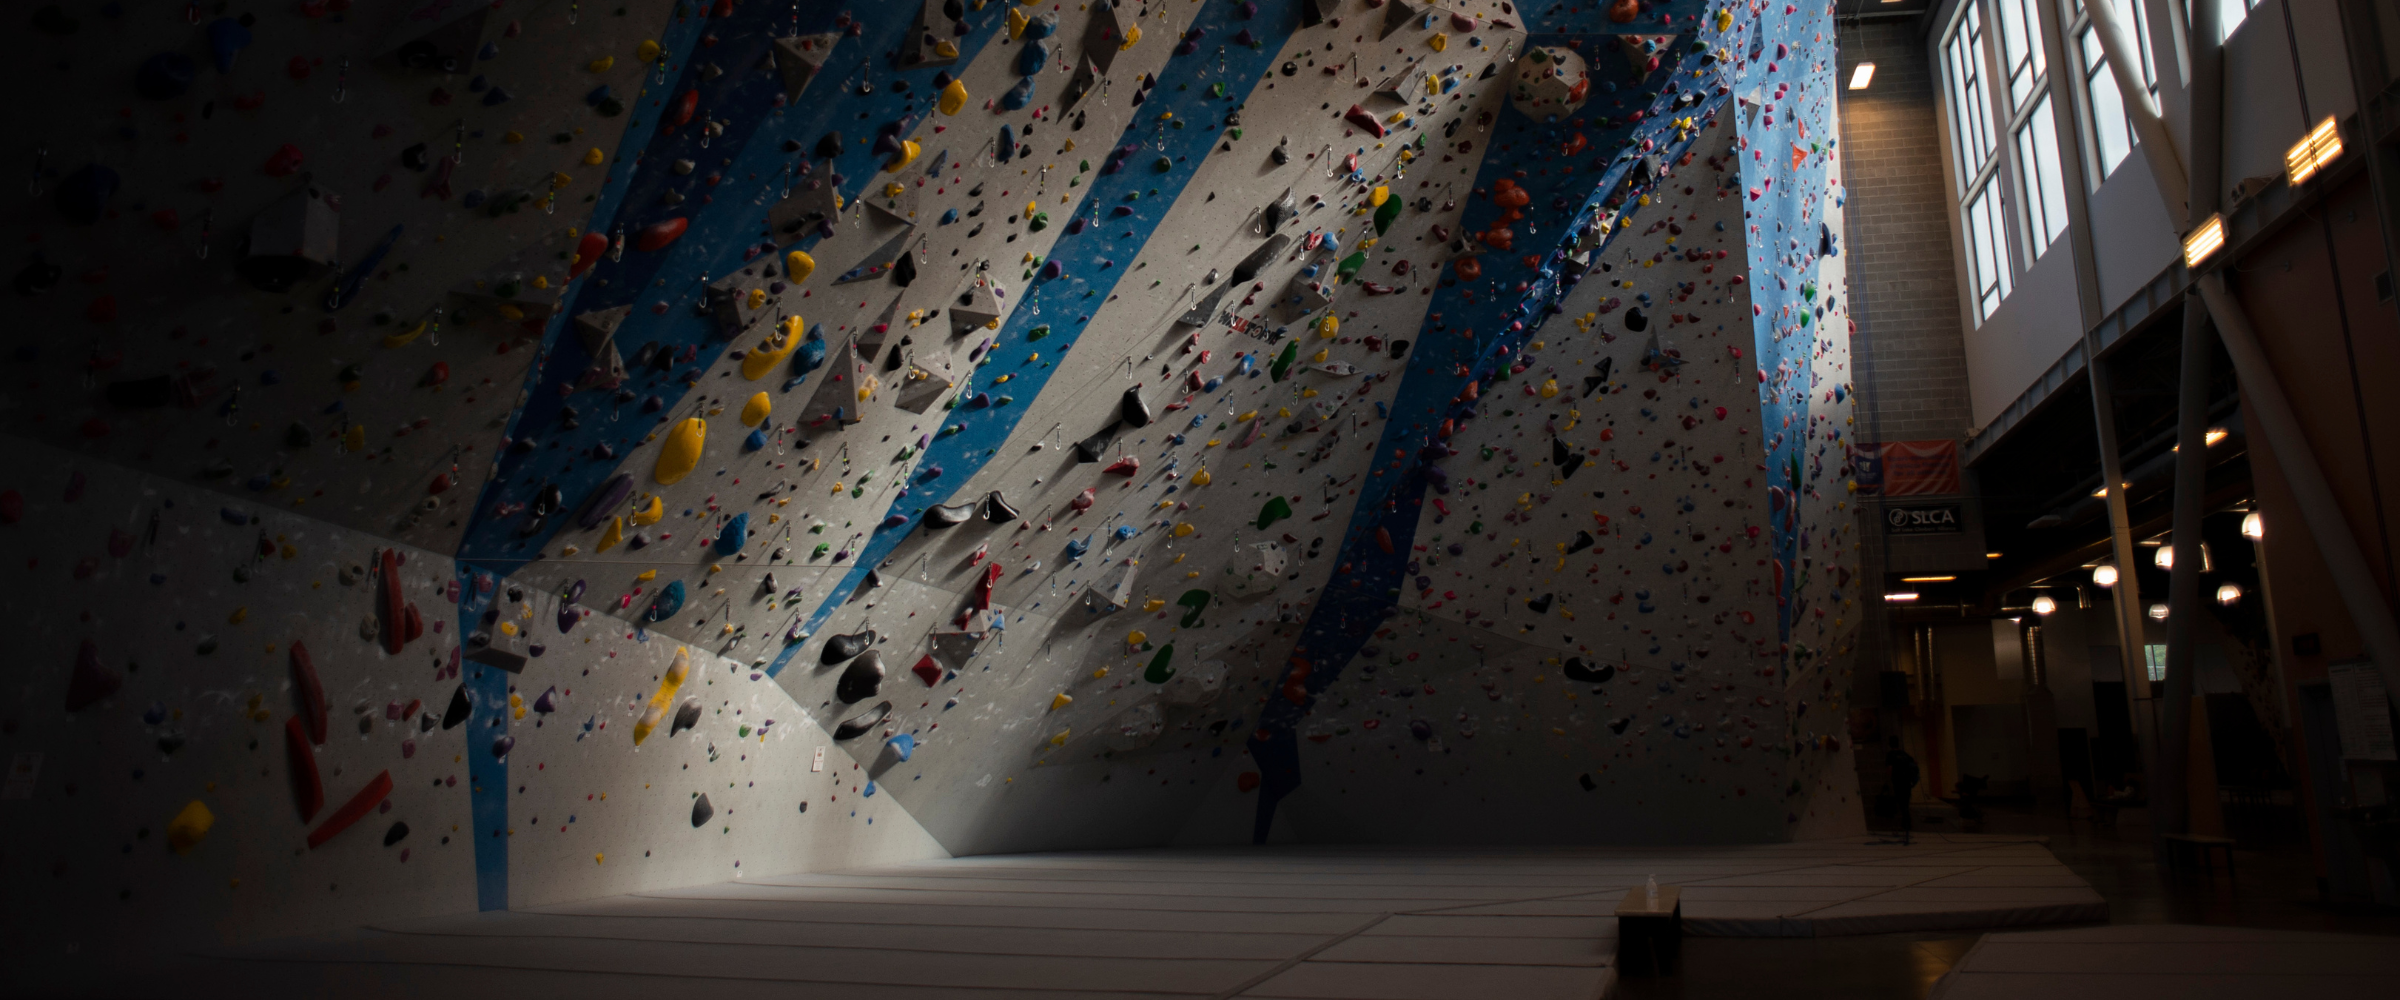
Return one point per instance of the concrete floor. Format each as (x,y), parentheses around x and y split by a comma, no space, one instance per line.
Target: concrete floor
(1352,923)
(2276,891)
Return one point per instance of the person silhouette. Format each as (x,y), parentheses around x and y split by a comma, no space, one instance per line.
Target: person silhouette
(1904,784)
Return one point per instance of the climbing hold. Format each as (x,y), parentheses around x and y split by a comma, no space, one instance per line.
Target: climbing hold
(903,746)
(650,513)
(862,723)
(843,647)
(682,451)
(1275,509)
(861,678)
(1161,669)
(311,692)
(701,811)
(672,679)
(756,410)
(900,160)
(1059,701)
(189,825)
(354,810)
(735,535)
(90,682)
(308,793)
(657,235)
(687,715)
(668,602)
(954,98)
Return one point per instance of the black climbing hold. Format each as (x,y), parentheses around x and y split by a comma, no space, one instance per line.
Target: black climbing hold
(687,715)
(459,708)
(843,647)
(1091,448)
(863,723)
(830,146)
(396,834)
(861,678)
(701,811)
(938,516)
(1132,409)
(996,508)
(1540,605)
(1582,673)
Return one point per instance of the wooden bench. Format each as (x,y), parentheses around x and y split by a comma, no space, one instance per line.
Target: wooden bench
(1650,933)
(2200,845)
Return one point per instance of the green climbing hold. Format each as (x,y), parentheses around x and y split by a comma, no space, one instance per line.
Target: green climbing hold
(1283,362)
(1275,510)
(1160,668)
(1385,215)
(1039,222)
(1197,600)
(1037,333)
(1356,260)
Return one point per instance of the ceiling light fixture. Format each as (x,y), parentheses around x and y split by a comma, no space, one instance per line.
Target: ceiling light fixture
(1861,76)
(2204,240)
(2322,145)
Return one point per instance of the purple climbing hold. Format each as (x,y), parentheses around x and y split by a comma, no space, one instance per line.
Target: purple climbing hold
(504,744)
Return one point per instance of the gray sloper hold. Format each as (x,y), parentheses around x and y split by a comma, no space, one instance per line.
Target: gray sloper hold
(1132,409)
(702,811)
(1091,448)
(843,647)
(1396,16)
(863,723)
(687,715)
(938,516)
(1205,309)
(861,679)
(1279,211)
(1260,258)
(800,58)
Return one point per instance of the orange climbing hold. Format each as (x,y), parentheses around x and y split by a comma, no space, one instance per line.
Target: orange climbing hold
(352,811)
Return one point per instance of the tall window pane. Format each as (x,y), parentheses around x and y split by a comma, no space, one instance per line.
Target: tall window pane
(2021,50)
(1987,245)
(2045,195)
(1970,106)
(2112,134)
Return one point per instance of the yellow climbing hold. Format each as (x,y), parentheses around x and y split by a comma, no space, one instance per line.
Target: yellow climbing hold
(1017,22)
(601,65)
(1327,327)
(945,49)
(1381,194)
(512,137)
(648,51)
(1323,353)
(1184,530)
(798,266)
(647,575)
(657,712)
(650,514)
(1439,41)
(1724,19)
(1059,740)
(355,439)
(1549,388)
(771,351)
(755,411)
(954,97)
(758,297)
(1200,478)
(403,338)
(593,157)
(682,453)
(1062,700)
(1136,637)
(614,534)
(1154,604)
(189,825)
(1133,35)
(908,154)
(238,616)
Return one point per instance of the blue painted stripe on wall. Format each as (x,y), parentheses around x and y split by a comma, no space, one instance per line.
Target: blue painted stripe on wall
(725,225)
(1083,280)
(1390,498)
(487,774)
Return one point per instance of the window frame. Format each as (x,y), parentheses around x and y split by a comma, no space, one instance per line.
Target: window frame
(2093,67)
(2041,195)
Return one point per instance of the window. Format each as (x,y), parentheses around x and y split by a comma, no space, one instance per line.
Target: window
(2154,658)
(2109,126)
(2230,14)
(2021,50)
(2038,173)
(1970,106)
(1987,249)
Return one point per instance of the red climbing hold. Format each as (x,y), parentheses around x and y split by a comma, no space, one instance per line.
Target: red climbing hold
(587,252)
(440,484)
(439,374)
(352,811)
(394,618)
(1383,540)
(1246,781)
(927,670)
(1364,119)
(657,235)
(311,692)
(308,792)
(685,106)
(1469,268)
(285,162)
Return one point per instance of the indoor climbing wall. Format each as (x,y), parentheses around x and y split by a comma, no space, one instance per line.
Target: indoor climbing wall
(833,435)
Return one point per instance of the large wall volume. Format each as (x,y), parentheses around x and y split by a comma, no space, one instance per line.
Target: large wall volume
(819,437)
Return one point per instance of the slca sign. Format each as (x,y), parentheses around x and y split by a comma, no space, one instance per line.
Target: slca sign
(1922,519)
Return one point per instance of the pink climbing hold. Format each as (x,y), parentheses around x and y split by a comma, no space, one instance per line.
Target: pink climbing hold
(587,253)
(657,235)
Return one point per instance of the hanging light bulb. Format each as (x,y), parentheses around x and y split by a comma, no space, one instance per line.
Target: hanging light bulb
(2229,594)
(2163,556)
(2158,611)
(2252,527)
(2043,605)
(2104,575)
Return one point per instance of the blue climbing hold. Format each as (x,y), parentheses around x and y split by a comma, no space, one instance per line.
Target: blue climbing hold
(735,535)
(1018,96)
(226,39)
(668,602)
(903,746)
(757,440)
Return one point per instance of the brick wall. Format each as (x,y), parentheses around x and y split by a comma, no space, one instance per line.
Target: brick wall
(1912,373)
